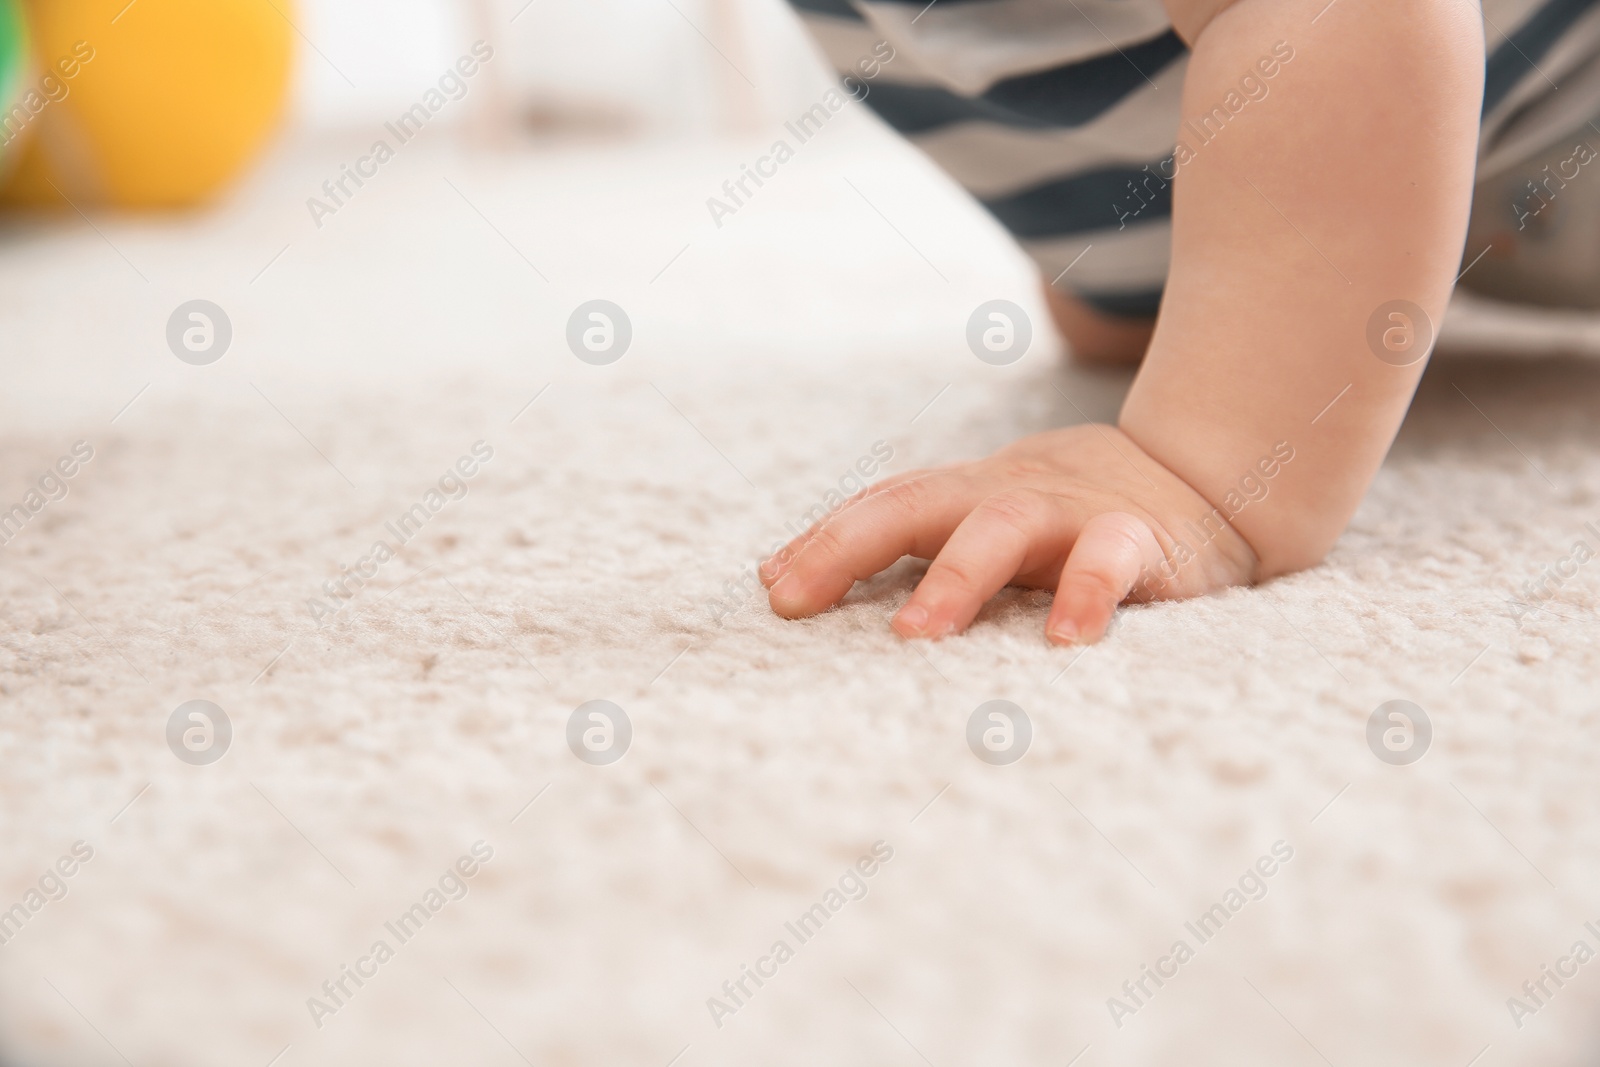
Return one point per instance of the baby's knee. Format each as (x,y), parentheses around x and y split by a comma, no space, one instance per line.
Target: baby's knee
(1093,336)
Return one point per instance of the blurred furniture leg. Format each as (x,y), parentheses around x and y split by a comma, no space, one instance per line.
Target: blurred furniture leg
(740,104)
(489,120)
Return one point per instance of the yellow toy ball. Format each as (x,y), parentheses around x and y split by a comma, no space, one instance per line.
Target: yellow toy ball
(149,104)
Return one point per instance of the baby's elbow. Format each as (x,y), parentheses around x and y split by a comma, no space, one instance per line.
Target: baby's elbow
(1191,17)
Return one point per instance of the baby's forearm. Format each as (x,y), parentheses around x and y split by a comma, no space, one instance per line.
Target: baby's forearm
(1344,189)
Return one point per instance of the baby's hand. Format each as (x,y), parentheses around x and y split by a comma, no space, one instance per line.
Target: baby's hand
(1082,510)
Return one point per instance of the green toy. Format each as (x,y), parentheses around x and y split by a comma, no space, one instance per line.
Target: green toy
(13,70)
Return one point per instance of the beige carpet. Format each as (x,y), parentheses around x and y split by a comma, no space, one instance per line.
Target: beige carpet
(369,754)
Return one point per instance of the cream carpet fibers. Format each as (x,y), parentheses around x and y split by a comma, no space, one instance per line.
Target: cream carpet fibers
(372,752)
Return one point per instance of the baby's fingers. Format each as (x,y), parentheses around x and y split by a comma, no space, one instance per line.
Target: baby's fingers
(911,517)
(1111,551)
(775,567)
(1005,535)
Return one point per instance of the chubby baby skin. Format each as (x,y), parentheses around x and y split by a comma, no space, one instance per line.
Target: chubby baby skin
(1349,190)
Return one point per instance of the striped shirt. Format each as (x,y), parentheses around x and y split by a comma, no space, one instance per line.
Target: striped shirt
(1062,116)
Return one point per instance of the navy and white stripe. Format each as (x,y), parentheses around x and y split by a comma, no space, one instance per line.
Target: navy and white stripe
(1542,79)
(1052,114)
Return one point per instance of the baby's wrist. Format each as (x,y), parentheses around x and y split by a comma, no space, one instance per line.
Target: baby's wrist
(1246,506)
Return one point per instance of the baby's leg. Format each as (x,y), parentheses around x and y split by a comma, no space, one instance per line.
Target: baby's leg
(1095,337)
(1073,158)
(1537,227)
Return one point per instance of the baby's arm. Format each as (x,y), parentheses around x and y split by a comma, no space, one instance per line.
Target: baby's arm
(1345,189)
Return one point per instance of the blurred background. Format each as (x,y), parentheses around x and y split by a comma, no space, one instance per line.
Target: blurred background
(162,152)
(686,68)
(215,149)
(652,69)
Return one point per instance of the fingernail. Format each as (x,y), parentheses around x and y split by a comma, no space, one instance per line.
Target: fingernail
(1063,633)
(912,620)
(785,593)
